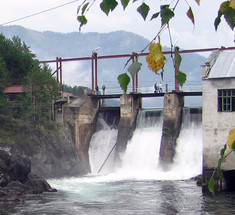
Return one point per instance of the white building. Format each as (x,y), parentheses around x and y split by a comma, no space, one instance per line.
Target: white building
(218,106)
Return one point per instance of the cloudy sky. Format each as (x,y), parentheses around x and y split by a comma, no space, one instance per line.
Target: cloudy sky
(63,19)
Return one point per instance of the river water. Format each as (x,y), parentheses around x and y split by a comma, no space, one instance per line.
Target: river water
(139,186)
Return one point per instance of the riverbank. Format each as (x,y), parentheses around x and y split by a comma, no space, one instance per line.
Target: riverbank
(51,150)
(17,180)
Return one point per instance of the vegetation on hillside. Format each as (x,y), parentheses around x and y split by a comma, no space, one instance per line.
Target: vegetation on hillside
(32,106)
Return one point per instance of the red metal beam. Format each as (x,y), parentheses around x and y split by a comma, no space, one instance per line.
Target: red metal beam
(94,75)
(140,54)
(176,70)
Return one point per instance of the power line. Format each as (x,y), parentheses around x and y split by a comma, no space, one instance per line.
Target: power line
(44,11)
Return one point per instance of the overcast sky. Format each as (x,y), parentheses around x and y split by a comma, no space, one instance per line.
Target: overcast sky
(63,19)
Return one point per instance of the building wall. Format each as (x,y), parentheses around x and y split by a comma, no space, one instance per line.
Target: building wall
(216,125)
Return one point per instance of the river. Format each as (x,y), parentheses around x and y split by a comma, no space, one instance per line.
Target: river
(139,186)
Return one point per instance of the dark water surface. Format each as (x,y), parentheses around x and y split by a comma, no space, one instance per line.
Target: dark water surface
(94,196)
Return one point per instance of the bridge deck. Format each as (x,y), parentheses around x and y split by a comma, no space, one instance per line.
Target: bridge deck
(144,95)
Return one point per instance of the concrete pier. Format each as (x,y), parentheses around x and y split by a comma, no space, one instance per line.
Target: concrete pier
(81,115)
(129,107)
(173,106)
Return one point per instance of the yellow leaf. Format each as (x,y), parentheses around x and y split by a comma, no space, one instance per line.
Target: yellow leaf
(224,6)
(155,58)
(190,15)
(231,139)
(198,2)
(232,4)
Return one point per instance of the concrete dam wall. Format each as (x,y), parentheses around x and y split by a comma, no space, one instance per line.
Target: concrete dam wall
(82,116)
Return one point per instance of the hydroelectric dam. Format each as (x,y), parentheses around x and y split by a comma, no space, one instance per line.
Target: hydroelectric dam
(103,152)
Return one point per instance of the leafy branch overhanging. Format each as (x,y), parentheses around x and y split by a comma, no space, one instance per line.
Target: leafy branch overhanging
(167,12)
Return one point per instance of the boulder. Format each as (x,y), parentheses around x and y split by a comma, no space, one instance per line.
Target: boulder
(16,179)
(13,168)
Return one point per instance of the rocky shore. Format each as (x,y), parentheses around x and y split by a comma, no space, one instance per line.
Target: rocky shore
(17,180)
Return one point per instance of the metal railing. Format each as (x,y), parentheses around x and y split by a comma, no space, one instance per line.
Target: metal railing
(137,86)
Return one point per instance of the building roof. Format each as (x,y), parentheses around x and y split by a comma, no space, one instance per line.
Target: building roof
(14,89)
(223,65)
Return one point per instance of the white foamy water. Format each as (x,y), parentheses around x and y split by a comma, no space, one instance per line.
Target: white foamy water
(139,186)
(101,145)
(141,158)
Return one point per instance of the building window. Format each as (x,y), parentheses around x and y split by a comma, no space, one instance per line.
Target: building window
(226,100)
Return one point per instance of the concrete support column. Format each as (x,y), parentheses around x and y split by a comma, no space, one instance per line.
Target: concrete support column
(82,121)
(173,106)
(129,107)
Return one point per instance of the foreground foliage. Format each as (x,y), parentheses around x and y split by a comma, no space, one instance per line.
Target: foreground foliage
(166,14)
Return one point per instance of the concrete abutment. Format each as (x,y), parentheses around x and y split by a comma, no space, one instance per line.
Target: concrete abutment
(82,115)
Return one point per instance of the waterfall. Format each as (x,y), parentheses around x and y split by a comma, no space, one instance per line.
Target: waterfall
(101,143)
(188,158)
(142,154)
(140,160)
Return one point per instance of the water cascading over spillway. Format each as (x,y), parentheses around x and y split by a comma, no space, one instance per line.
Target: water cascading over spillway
(139,186)
(141,158)
(101,144)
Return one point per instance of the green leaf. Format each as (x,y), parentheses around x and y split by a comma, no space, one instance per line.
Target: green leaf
(217,21)
(219,171)
(222,151)
(190,15)
(229,15)
(84,8)
(181,78)
(134,68)
(113,4)
(143,10)
(124,80)
(211,185)
(178,60)
(125,3)
(105,7)
(155,16)
(233,145)
(166,14)
(82,19)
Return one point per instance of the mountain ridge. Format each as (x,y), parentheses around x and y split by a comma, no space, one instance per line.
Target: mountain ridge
(48,45)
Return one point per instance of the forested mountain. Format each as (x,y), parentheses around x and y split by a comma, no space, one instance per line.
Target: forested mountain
(49,45)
